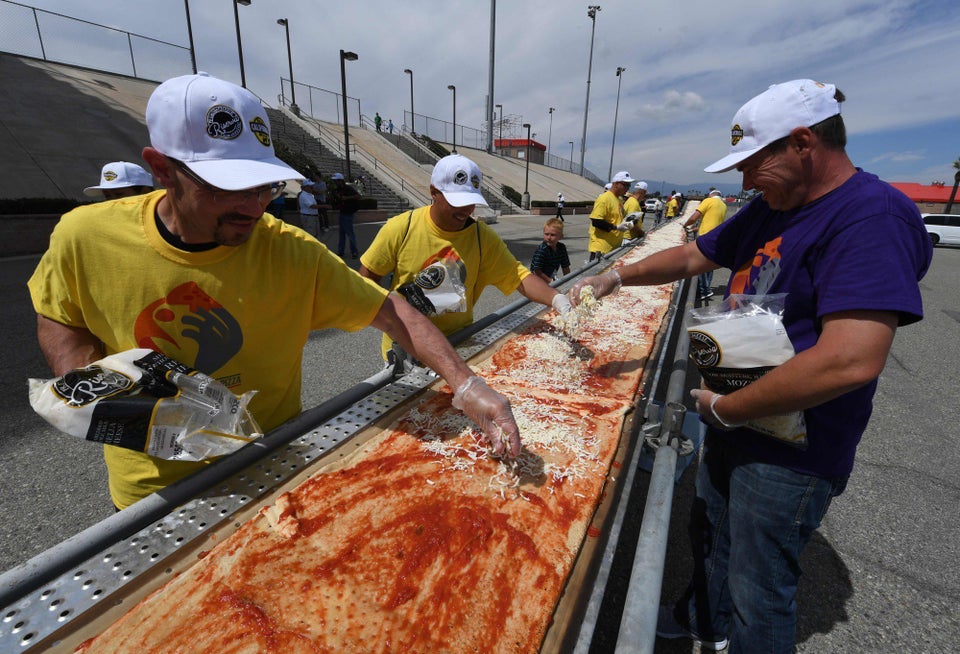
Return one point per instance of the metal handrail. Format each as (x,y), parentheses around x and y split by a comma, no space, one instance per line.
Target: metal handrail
(485,185)
(638,625)
(412,193)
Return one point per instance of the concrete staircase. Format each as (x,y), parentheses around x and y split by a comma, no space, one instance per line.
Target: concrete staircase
(327,162)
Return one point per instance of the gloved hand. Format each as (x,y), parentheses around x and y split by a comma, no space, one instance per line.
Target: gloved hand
(603,285)
(568,315)
(491,411)
(625,225)
(706,406)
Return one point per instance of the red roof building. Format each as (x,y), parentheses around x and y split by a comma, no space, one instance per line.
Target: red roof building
(930,198)
(517,148)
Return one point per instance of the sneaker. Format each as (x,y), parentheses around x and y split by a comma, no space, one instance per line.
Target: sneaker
(668,627)
(709,293)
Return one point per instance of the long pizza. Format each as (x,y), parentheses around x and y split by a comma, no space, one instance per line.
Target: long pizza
(420,541)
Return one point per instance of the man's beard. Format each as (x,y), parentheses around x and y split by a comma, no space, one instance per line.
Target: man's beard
(227,234)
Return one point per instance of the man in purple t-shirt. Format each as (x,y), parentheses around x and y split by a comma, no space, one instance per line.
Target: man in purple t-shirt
(848,251)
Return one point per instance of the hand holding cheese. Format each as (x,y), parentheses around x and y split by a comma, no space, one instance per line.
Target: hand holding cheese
(568,315)
(491,411)
(603,285)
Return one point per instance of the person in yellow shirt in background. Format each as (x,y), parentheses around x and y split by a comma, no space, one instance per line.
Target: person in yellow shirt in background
(709,213)
(606,217)
(442,259)
(634,205)
(673,207)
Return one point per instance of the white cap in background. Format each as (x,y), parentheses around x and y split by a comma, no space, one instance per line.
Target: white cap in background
(119,174)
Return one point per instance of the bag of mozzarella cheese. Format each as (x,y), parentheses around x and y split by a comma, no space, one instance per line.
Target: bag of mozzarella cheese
(143,400)
(738,341)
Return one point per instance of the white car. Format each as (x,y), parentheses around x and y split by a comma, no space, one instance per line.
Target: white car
(943,228)
(652,204)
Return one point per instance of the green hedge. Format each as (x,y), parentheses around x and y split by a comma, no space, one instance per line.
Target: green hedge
(294,158)
(512,194)
(433,146)
(38,205)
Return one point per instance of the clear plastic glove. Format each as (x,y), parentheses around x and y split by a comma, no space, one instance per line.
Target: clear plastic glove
(568,315)
(603,285)
(706,407)
(624,226)
(491,411)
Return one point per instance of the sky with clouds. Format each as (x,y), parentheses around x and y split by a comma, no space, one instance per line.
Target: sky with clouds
(689,65)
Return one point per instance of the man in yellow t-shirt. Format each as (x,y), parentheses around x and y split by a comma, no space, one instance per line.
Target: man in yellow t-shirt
(634,207)
(607,215)
(673,207)
(201,273)
(442,259)
(709,213)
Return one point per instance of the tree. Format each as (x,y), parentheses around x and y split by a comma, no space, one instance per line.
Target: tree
(956,183)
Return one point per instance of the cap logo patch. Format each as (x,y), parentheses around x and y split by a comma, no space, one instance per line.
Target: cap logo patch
(736,135)
(460,177)
(260,130)
(475,180)
(109,175)
(223,122)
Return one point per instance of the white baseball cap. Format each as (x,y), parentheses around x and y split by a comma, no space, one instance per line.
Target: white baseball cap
(774,114)
(218,129)
(336,176)
(458,178)
(640,186)
(119,174)
(608,185)
(622,176)
(714,192)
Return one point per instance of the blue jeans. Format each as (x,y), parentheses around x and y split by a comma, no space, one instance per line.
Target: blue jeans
(346,231)
(704,281)
(749,524)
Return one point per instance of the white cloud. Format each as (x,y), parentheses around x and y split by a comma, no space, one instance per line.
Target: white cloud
(689,65)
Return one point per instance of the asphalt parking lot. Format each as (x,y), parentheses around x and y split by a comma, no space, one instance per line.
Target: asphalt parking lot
(880,575)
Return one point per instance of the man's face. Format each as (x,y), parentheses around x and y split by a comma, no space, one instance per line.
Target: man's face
(446,216)
(125,192)
(210,215)
(777,175)
(619,188)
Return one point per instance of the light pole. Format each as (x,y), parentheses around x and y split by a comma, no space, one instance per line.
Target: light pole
(526,182)
(490,95)
(616,111)
(571,155)
(193,52)
(500,107)
(293,89)
(236,19)
(413,116)
(592,13)
(550,132)
(454,89)
(346,56)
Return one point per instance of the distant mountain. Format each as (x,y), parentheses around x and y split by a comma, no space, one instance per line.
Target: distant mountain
(697,188)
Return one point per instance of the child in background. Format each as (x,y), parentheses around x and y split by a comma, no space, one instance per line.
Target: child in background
(551,255)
